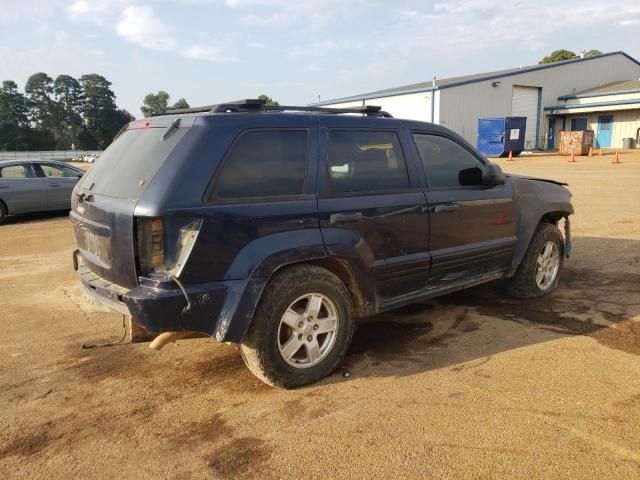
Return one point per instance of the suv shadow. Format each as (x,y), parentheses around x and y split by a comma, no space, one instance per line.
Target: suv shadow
(477,323)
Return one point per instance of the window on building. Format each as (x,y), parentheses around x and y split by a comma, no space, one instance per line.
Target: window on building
(360,161)
(264,163)
(579,123)
(446,163)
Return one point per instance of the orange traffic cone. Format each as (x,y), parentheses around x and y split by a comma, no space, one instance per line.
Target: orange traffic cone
(600,153)
(590,152)
(510,159)
(573,158)
(617,159)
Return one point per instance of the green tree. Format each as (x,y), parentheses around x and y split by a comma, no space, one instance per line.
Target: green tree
(99,109)
(558,56)
(69,103)
(153,104)
(13,105)
(268,100)
(592,53)
(180,104)
(39,90)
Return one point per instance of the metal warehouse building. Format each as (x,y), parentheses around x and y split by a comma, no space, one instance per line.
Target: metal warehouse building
(551,96)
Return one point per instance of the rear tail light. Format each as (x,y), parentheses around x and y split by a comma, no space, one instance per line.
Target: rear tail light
(150,244)
(164,245)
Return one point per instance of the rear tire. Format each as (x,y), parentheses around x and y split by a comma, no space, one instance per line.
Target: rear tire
(539,271)
(3,212)
(301,329)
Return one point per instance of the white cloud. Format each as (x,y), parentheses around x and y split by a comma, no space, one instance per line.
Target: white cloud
(140,25)
(207,53)
(629,22)
(88,11)
(277,19)
(257,45)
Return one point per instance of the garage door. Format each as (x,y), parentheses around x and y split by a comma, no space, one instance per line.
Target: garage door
(524,103)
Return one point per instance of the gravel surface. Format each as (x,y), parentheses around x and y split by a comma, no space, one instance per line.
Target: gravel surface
(472,385)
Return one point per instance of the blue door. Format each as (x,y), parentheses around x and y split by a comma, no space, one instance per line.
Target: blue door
(603,139)
(551,144)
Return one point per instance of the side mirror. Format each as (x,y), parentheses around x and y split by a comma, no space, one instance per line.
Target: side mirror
(492,175)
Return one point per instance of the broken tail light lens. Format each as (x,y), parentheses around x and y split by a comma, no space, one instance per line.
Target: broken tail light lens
(164,245)
(151,254)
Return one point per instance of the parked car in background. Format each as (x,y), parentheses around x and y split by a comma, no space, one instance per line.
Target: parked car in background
(278,227)
(35,186)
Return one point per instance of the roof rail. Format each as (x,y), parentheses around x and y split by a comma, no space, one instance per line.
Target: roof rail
(259,105)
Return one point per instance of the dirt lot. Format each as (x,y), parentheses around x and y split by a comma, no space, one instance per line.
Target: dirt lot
(473,385)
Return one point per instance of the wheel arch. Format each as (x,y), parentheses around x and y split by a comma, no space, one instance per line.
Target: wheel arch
(245,304)
(554,217)
(527,228)
(341,270)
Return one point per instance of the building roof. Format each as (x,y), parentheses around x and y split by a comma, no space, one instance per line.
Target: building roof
(455,81)
(615,88)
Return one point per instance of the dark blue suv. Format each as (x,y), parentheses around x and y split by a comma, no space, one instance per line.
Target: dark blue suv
(278,227)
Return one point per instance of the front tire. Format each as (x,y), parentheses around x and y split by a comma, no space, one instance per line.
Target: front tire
(3,213)
(538,273)
(301,329)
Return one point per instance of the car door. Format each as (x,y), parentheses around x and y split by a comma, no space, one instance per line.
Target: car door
(372,213)
(473,227)
(59,181)
(21,189)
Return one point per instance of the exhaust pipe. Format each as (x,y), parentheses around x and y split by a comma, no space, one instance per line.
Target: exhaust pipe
(167,337)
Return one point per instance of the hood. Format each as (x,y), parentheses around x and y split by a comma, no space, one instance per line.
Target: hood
(527,177)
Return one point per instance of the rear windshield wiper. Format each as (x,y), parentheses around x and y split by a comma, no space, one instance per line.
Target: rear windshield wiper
(171,129)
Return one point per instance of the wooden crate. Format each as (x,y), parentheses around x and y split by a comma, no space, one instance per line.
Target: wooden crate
(577,143)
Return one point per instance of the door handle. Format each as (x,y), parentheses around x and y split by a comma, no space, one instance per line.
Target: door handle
(345,217)
(53,185)
(446,207)
(4,186)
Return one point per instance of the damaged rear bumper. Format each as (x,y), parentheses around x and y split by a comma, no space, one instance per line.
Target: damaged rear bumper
(222,310)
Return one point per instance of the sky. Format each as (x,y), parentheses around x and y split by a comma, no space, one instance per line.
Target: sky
(211,51)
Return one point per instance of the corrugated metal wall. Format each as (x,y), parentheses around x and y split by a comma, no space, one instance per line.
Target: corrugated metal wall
(415,106)
(461,106)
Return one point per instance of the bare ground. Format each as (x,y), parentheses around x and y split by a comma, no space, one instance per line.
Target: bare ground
(473,385)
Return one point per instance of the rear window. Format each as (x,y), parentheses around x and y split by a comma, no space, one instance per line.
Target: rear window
(125,168)
(264,163)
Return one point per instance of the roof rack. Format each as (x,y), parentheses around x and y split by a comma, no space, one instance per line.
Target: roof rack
(259,105)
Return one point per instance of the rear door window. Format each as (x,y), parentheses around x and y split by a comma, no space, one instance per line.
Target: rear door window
(446,163)
(264,163)
(365,161)
(15,171)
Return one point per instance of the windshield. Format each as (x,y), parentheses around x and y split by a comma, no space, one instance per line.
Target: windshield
(125,168)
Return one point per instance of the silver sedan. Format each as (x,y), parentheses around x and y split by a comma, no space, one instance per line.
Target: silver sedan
(35,186)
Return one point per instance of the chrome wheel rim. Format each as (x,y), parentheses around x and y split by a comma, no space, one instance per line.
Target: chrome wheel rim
(308,330)
(547,265)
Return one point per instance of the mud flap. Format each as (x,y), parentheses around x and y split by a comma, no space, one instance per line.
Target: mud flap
(567,237)
(134,333)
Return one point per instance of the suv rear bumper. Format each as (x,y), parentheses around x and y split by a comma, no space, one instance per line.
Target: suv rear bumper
(222,310)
